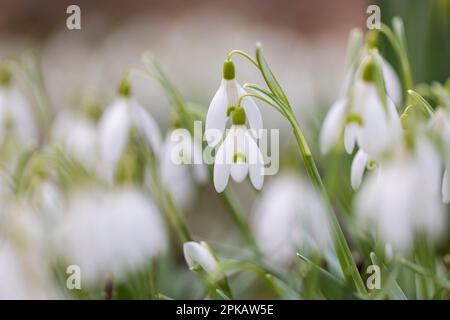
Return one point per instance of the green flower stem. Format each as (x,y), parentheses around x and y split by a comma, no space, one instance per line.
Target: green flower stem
(243,54)
(168,205)
(262,99)
(239,219)
(402,56)
(343,252)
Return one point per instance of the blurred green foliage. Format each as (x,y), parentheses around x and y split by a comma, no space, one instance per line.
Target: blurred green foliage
(427,26)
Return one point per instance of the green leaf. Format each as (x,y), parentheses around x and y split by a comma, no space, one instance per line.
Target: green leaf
(269,77)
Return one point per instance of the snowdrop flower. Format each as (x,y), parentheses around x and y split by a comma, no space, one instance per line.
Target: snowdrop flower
(16,115)
(403,199)
(238,155)
(290,216)
(111,232)
(181,166)
(115,125)
(365,122)
(24,268)
(78,136)
(24,276)
(440,123)
(197,255)
(225,99)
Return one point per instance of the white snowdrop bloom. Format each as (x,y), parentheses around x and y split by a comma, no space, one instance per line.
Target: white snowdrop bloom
(290,217)
(392,82)
(181,166)
(365,122)
(114,129)
(404,198)
(24,268)
(225,99)
(238,155)
(78,136)
(16,114)
(362,118)
(198,255)
(24,276)
(440,123)
(115,231)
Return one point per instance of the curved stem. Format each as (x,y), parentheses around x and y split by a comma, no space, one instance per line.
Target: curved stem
(343,252)
(260,98)
(402,56)
(245,55)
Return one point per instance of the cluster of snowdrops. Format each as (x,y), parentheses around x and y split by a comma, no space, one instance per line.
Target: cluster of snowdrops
(99,189)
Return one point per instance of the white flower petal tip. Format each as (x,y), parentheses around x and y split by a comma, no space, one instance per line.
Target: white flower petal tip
(350,138)
(332,125)
(358,166)
(197,255)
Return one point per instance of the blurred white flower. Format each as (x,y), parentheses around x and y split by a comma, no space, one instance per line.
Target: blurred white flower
(198,255)
(111,232)
(404,199)
(392,82)
(179,171)
(291,217)
(24,255)
(114,130)
(78,136)
(440,123)
(16,115)
(225,99)
(238,156)
(364,121)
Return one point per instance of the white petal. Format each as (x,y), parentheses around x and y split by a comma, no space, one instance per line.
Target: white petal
(255,163)
(252,112)
(392,83)
(222,166)
(216,117)
(197,255)
(358,167)
(19,109)
(146,125)
(332,126)
(374,135)
(446,187)
(350,137)
(113,135)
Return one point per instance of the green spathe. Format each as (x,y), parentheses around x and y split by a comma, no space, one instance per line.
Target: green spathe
(228,70)
(238,116)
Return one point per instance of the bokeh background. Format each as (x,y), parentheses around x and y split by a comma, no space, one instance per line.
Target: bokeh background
(305,42)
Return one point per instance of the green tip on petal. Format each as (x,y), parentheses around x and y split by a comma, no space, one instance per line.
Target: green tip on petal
(355,118)
(368,72)
(238,116)
(5,75)
(228,70)
(124,88)
(238,156)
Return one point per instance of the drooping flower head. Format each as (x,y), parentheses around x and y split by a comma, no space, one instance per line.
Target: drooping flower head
(238,155)
(116,125)
(225,99)
(365,120)
(16,115)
